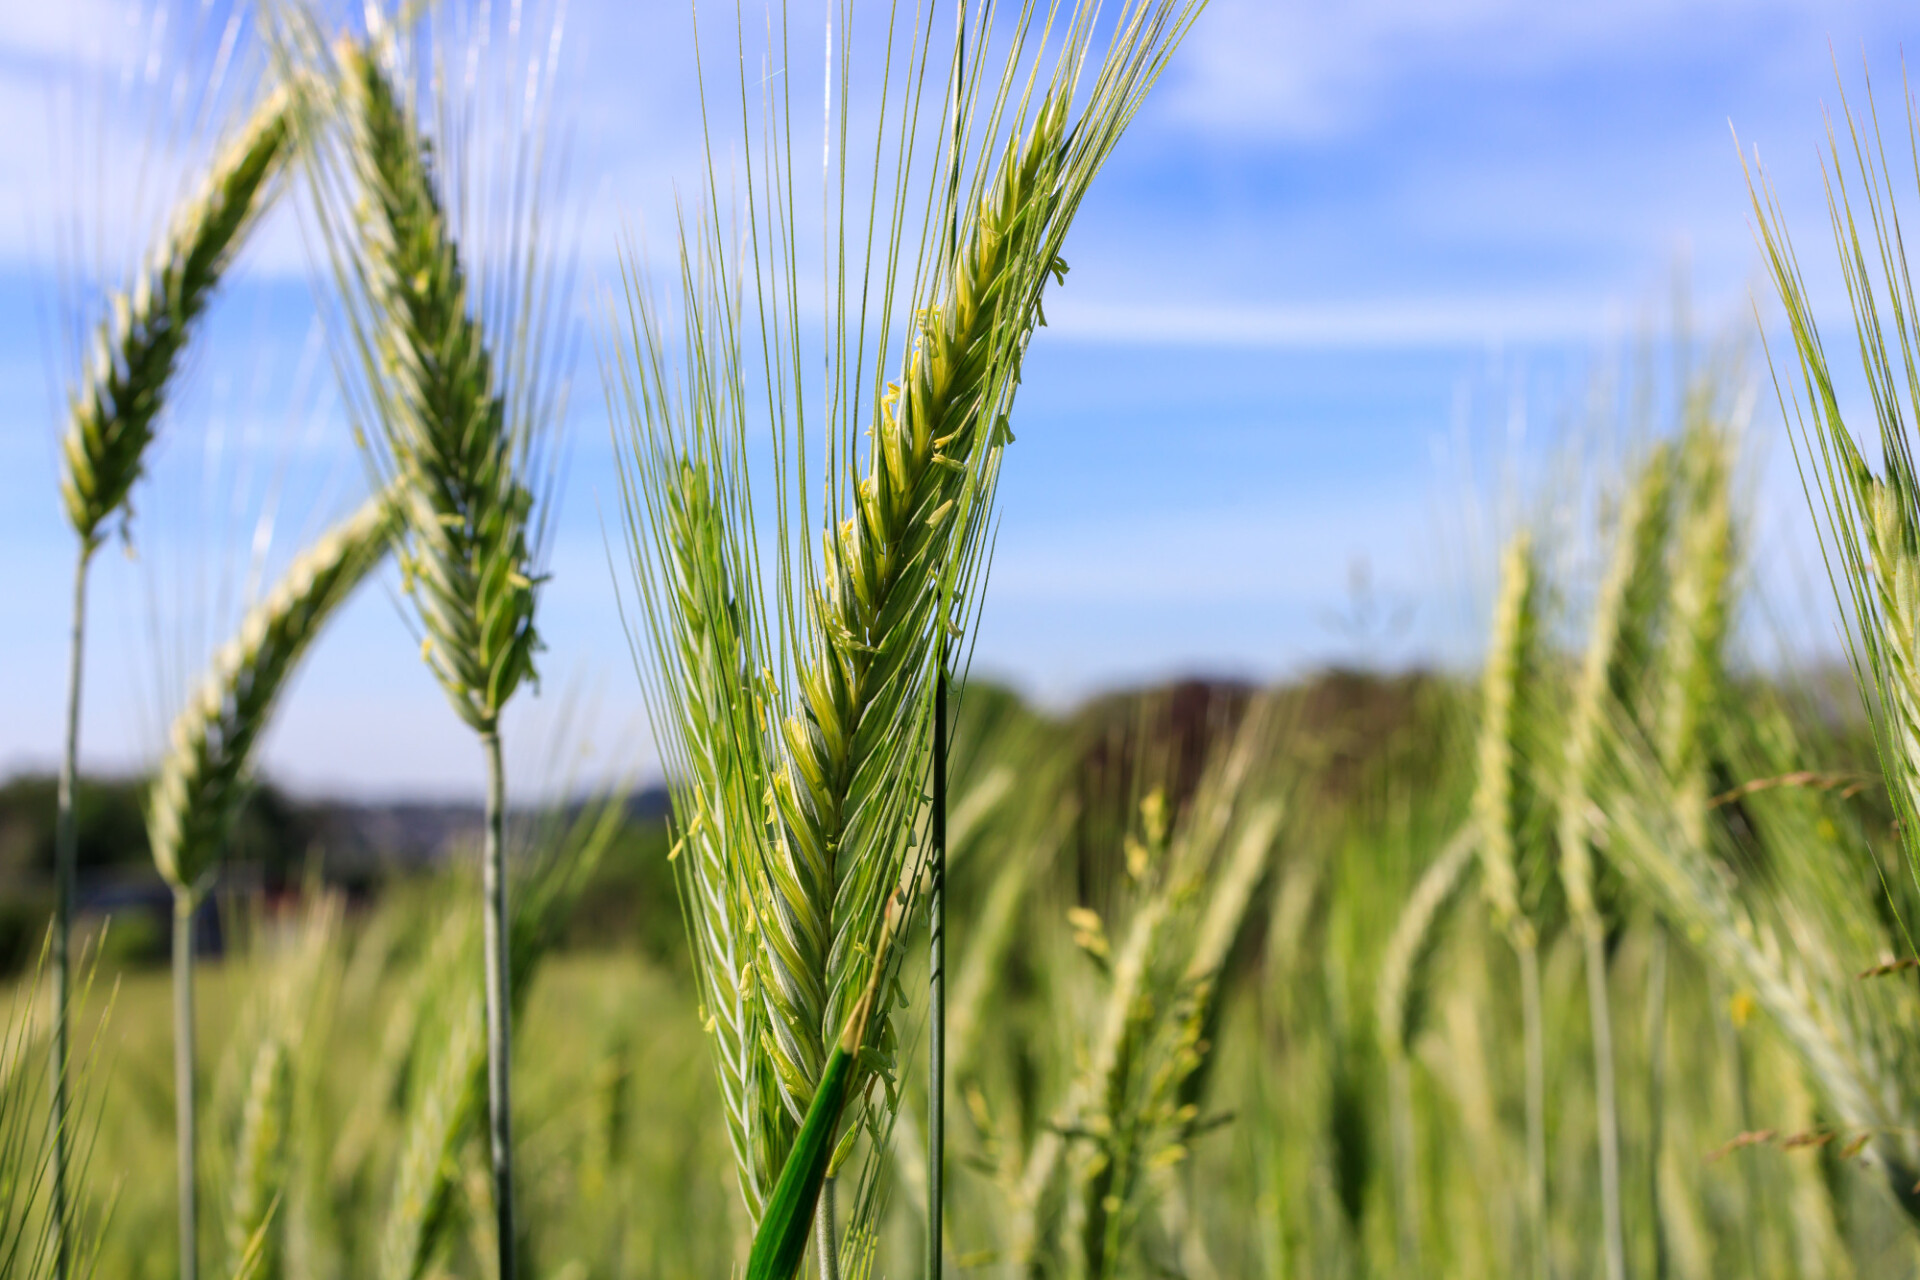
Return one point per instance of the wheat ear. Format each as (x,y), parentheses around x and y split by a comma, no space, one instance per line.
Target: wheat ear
(466,509)
(1146,1040)
(459,430)
(205,775)
(204,778)
(1403,965)
(1691,689)
(110,425)
(721,822)
(1502,804)
(825,809)
(1796,981)
(1617,658)
(1399,1002)
(1869,524)
(137,349)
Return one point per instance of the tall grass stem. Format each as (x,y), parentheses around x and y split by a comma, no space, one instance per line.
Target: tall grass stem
(937,983)
(1599,1012)
(1536,1047)
(185,1114)
(826,1232)
(66,851)
(499,1013)
(1657,1091)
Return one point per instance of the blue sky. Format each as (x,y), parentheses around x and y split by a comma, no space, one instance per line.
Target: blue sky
(1350,257)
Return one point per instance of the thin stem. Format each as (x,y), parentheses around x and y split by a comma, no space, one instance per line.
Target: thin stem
(826,1234)
(1599,1011)
(493,875)
(1536,1101)
(937,927)
(1657,1089)
(184,1110)
(937,982)
(65,855)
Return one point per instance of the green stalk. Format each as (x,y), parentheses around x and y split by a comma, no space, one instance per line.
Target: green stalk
(826,1231)
(937,910)
(184,1112)
(937,1012)
(1610,676)
(66,843)
(499,1032)
(1657,1089)
(1599,1012)
(1529,955)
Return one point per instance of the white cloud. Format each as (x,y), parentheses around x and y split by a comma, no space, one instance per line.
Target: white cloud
(1444,321)
(1316,68)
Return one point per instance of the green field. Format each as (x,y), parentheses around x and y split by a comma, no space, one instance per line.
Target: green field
(1596,960)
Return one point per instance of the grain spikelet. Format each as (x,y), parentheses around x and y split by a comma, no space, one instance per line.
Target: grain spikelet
(457,460)
(1616,660)
(815,779)
(1415,935)
(1502,798)
(138,347)
(1869,524)
(204,777)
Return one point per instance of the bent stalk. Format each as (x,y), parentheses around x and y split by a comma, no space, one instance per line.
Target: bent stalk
(185,1113)
(64,856)
(499,1010)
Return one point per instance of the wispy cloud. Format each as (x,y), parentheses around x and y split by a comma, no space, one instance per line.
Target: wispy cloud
(1315,69)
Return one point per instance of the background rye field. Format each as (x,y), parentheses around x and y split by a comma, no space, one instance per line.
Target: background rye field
(1584,947)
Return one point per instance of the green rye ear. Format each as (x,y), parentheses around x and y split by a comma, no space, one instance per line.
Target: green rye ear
(1399,1003)
(205,774)
(455,455)
(1500,792)
(794,691)
(139,347)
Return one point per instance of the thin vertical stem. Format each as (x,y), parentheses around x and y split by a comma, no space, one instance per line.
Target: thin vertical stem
(937,917)
(185,1113)
(937,969)
(493,873)
(65,855)
(1657,1091)
(1600,1014)
(1536,1102)
(826,1234)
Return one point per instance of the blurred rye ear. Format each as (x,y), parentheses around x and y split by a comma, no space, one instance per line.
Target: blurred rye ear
(1400,1007)
(262,1195)
(1504,804)
(796,714)
(112,417)
(207,774)
(1612,675)
(448,1088)
(1127,1109)
(1690,703)
(1851,1033)
(453,320)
